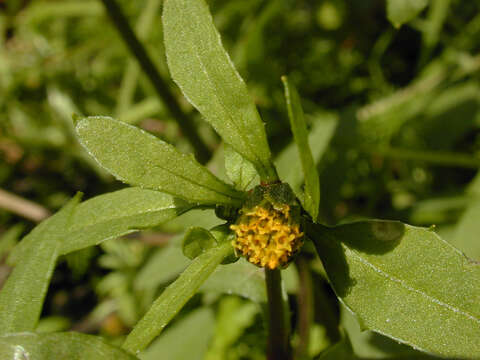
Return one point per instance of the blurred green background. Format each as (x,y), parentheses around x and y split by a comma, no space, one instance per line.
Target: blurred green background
(395,131)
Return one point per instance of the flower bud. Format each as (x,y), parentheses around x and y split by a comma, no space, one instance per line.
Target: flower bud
(268,230)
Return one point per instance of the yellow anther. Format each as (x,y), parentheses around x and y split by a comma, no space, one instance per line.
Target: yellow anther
(267,237)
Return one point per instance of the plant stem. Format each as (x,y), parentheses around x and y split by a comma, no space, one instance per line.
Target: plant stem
(305,307)
(278,338)
(185,123)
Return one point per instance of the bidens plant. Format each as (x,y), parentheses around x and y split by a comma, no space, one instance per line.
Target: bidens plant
(385,272)
(268,229)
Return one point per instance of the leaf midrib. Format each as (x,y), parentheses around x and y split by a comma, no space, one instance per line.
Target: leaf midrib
(123,179)
(217,98)
(408,287)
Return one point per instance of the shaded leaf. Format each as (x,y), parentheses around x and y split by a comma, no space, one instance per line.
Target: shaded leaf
(175,297)
(242,279)
(197,240)
(205,74)
(112,215)
(188,339)
(239,170)
(402,11)
(58,346)
(300,134)
(139,158)
(10,238)
(234,317)
(161,267)
(340,351)
(21,298)
(465,235)
(406,283)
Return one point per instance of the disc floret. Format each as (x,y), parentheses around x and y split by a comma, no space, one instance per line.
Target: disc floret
(268,233)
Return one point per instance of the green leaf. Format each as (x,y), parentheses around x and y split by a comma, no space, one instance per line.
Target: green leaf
(138,158)
(205,74)
(234,317)
(187,339)
(59,346)
(242,279)
(197,240)
(406,283)
(112,215)
(239,170)
(163,266)
(10,238)
(465,236)
(300,134)
(21,298)
(175,297)
(402,11)
(340,351)
(289,168)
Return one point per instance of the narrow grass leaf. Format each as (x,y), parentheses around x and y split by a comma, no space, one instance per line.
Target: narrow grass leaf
(112,215)
(59,346)
(406,283)
(402,11)
(138,158)
(204,72)
(175,297)
(21,298)
(300,134)
(239,170)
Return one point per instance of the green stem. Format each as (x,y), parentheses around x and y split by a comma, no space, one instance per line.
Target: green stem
(440,158)
(305,307)
(186,124)
(278,338)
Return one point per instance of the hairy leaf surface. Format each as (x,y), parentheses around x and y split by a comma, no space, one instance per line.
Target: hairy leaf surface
(139,158)
(406,283)
(204,72)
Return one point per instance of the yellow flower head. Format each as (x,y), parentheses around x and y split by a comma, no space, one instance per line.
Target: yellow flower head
(267,236)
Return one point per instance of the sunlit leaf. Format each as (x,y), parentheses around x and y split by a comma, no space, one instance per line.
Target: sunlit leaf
(112,215)
(138,158)
(58,346)
(21,298)
(175,297)
(406,283)
(300,134)
(205,74)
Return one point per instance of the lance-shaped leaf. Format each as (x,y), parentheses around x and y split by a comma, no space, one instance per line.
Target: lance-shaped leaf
(175,297)
(300,134)
(21,298)
(205,74)
(406,283)
(112,215)
(139,158)
(239,170)
(59,346)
